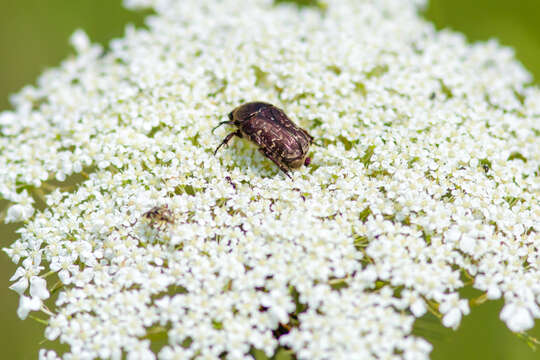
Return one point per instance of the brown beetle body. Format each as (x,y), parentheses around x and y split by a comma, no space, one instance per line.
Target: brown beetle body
(159,216)
(278,138)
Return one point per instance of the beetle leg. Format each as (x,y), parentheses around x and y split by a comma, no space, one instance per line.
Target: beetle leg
(222,123)
(227,139)
(279,165)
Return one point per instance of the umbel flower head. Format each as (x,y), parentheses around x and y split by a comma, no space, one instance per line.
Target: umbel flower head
(425,177)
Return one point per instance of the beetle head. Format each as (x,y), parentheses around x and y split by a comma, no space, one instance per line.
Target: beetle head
(307,161)
(231,116)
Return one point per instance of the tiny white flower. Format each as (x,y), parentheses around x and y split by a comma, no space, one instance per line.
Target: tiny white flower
(45,354)
(467,244)
(38,288)
(56,325)
(19,212)
(80,41)
(21,285)
(490,283)
(453,308)
(27,304)
(416,349)
(517,317)
(417,304)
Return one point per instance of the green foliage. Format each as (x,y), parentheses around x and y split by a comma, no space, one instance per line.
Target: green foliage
(513,23)
(303,3)
(366,158)
(281,354)
(517,155)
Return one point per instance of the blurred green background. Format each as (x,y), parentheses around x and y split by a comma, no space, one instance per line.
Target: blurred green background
(34,36)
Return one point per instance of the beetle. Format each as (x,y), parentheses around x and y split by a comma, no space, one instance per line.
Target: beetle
(159,216)
(277,137)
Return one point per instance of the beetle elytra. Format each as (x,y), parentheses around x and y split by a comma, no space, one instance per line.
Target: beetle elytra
(277,137)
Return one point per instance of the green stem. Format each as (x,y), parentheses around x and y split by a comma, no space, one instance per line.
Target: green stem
(479,300)
(41,321)
(433,308)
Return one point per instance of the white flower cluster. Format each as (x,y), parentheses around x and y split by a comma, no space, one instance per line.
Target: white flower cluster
(425,177)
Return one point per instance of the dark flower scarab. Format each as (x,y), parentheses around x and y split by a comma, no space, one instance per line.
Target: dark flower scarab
(277,137)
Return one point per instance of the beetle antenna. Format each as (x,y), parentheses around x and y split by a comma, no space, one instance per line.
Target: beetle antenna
(221,123)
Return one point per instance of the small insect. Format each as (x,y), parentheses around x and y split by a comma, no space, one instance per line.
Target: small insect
(159,216)
(277,137)
(229,180)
